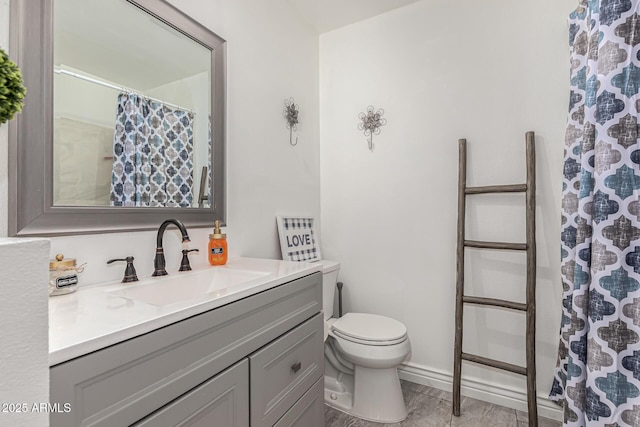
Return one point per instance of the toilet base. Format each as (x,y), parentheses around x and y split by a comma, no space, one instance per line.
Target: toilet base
(337,394)
(378,396)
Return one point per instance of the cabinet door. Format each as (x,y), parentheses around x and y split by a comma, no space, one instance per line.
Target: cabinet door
(222,401)
(308,411)
(284,370)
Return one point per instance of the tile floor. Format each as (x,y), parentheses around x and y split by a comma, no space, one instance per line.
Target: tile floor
(429,407)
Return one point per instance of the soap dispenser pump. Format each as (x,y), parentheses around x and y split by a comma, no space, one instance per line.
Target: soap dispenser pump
(217,246)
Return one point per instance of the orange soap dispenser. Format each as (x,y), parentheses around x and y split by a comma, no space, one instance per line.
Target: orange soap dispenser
(217,246)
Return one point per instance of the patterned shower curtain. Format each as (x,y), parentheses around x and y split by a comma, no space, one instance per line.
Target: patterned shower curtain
(597,378)
(152,154)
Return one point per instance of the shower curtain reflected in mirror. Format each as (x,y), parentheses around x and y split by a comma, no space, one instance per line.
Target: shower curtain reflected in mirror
(152,154)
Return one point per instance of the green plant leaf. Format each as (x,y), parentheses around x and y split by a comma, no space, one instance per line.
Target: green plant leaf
(12,90)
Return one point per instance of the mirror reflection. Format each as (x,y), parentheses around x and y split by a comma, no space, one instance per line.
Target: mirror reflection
(131,109)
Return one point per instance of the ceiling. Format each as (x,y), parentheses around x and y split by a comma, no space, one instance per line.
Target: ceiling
(327,15)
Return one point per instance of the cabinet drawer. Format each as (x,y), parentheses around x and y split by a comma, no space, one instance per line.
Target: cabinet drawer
(122,384)
(284,370)
(221,401)
(308,411)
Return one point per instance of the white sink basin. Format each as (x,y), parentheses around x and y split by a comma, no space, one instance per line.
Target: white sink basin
(210,282)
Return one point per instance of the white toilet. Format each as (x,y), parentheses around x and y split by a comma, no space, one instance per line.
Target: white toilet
(362,354)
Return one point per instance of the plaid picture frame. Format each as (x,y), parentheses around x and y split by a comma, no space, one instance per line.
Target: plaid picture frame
(298,238)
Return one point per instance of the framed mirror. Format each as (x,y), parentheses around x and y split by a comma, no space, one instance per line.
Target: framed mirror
(123,122)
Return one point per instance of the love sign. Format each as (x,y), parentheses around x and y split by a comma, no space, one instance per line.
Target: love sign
(298,238)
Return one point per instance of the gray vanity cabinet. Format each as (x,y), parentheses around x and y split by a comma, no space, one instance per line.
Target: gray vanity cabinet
(260,355)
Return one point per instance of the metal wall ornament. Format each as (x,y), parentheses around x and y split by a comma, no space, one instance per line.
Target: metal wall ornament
(290,113)
(371,123)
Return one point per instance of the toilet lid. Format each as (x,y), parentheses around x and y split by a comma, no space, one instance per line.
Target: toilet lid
(369,327)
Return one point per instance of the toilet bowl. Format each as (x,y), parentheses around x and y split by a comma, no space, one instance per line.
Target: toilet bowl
(362,354)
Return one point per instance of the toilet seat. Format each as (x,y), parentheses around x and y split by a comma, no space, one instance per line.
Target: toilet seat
(369,329)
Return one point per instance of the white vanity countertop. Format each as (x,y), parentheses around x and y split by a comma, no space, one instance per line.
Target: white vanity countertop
(98,316)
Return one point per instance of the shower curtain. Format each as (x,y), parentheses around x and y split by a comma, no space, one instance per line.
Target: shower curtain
(152,154)
(597,378)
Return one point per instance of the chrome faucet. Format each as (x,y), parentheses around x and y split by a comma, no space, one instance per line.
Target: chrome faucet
(159,262)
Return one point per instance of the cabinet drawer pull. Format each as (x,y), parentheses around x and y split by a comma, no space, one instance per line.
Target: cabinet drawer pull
(296,367)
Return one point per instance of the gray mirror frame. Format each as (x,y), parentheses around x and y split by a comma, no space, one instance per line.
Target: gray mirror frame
(31,211)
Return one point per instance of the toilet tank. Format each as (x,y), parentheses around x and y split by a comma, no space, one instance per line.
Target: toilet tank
(329,279)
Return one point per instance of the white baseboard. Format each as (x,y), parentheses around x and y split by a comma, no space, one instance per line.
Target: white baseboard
(498,395)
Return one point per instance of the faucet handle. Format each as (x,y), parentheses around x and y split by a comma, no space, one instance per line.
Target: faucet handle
(130,274)
(184,265)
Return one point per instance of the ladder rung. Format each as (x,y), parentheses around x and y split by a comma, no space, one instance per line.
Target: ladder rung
(495,302)
(494,363)
(496,245)
(515,188)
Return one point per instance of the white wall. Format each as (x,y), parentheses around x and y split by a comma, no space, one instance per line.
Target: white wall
(443,70)
(24,353)
(271,56)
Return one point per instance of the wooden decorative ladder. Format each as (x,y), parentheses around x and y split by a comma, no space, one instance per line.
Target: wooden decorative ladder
(529,307)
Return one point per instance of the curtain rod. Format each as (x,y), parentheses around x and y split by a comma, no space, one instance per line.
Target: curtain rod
(119,88)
